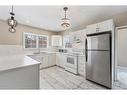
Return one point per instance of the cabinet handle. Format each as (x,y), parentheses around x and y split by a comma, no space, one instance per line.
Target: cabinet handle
(86,50)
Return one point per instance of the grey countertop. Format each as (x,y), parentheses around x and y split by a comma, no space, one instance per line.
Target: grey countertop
(16,61)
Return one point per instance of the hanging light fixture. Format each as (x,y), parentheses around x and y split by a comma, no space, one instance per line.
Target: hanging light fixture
(65,21)
(12,22)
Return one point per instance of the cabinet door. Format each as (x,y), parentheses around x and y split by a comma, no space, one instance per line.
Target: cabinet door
(45,61)
(57,59)
(60,60)
(63,60)
(105,25)
(52,60)
(92,29)
(81,65)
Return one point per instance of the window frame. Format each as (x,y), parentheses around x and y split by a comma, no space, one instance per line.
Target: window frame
(37,40)
(60,38)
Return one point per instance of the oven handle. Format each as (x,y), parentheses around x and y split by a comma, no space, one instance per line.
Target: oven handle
(86,50)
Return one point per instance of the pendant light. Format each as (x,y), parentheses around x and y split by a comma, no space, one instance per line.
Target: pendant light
(12,22)
(65,21)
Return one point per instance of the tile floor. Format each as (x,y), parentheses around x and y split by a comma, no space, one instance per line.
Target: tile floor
(121,78)
(57,78)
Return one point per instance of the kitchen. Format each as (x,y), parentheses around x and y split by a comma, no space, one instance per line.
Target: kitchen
(44,52)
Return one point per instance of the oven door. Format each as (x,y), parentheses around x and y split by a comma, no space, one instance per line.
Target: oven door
(71,64)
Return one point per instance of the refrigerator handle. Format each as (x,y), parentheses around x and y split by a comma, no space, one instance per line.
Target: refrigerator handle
(86,51)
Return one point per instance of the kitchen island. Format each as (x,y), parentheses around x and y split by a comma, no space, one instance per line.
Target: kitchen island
(19,72)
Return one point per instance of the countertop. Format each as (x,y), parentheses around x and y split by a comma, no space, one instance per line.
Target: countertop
(79,55)
(75,54)
(16,61)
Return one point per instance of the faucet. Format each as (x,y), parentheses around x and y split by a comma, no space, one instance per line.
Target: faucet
(38,51)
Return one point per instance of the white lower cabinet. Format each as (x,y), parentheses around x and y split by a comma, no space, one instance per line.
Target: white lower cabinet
(60,59)
(81,65)
(52,59)
(46,60)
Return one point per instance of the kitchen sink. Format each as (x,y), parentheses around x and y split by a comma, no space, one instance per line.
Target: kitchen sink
(40,53)
(36,53)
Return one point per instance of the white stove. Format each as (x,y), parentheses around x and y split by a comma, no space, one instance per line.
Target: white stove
(72,63)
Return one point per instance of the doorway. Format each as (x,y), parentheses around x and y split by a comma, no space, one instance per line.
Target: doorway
(121,57)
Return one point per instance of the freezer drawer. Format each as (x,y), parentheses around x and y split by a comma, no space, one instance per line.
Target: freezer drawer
(98,67)
(99,42)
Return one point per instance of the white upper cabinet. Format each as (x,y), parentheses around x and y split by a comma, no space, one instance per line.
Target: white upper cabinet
(56,40)
(107,25)
(91,28)
(78,38)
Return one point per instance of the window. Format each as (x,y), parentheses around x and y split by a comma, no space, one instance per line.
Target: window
(67,41)
(30,40)
(42,41)
(35,41)
(56,40)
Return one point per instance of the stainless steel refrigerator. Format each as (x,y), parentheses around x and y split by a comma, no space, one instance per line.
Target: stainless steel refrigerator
(98,58)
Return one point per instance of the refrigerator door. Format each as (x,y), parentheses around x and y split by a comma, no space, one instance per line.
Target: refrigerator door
(98,42)
(98,67)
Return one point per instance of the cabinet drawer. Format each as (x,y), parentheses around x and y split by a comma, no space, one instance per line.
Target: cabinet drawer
(81,65)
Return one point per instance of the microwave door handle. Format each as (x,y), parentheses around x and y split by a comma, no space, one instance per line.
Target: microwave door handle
(86,50)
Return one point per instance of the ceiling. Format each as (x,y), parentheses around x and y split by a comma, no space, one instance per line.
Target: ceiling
(49,17)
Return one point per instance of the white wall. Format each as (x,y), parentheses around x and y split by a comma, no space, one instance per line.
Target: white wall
(121,47)
(8,38)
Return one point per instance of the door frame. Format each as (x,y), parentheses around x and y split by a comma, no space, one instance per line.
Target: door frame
(116,34)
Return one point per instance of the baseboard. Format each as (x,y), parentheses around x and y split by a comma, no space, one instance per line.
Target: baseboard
(47,67)
(122,68)
(60,66)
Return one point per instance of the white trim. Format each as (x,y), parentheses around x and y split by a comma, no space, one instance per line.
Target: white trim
(121,27)
(116,30)
(24,41)
(122,68)
(116,63)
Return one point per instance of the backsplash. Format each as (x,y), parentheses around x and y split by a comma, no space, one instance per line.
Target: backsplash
(18,49)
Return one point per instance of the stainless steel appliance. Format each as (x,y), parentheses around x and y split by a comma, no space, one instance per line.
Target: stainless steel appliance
(98,58)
